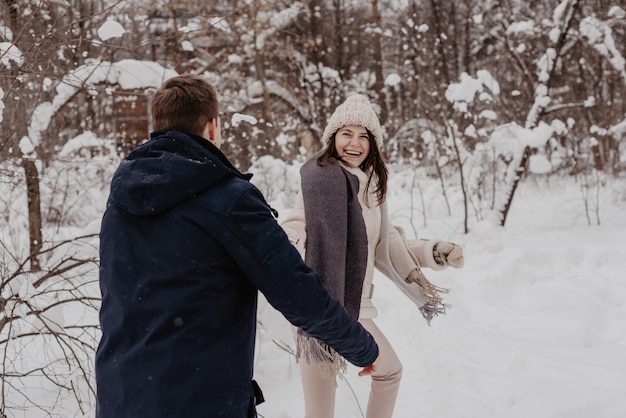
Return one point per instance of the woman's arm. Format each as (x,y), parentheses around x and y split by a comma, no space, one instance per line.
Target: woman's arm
(420,250)
(423,250)
(437,254)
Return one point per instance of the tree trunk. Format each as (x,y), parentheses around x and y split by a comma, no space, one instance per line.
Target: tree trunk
(538,108)
(34,211)
(266,111)
(379,85)
(443,65)
(521,167)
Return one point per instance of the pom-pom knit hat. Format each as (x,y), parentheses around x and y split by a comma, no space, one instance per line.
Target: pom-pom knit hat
(356,110)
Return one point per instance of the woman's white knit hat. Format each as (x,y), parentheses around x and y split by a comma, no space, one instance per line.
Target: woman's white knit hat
(356,110)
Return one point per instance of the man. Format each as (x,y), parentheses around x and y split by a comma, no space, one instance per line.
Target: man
(186,243)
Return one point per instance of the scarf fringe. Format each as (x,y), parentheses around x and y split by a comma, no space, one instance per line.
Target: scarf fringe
(435,306)
(315,352)
(432,309)
(428,289)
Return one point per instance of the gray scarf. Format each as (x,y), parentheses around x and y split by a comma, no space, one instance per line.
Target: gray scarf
(336,247)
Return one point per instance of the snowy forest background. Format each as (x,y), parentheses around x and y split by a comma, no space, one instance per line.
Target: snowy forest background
(474,97)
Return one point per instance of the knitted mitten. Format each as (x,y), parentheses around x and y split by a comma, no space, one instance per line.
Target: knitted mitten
(448,254)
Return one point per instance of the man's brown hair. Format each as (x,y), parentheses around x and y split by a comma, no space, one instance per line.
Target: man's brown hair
(184,103)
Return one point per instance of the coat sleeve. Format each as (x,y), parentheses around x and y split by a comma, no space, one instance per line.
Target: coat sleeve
(421,250)
(295,225)
(275,267)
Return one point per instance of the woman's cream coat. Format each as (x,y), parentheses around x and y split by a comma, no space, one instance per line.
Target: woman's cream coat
(389,251)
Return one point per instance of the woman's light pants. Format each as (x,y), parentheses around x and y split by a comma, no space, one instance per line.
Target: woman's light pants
(319,392)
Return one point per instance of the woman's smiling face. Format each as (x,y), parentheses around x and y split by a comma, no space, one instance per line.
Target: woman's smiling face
(352,144)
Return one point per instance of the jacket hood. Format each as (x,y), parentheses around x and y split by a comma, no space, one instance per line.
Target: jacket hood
(168,169)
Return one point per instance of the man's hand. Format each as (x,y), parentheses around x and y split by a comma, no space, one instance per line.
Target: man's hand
(367,371)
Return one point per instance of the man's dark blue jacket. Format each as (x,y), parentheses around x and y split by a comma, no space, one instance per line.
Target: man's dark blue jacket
(186,242)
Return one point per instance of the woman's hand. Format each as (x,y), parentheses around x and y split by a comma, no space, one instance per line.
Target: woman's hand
(448,254)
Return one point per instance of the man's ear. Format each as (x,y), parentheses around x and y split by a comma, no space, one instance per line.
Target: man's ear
(208,132)
(212,126)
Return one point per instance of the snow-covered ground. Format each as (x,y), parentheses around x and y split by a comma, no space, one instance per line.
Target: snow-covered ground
(537,328)
(538,323)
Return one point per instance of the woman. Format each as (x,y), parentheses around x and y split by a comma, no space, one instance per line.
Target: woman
(339,224)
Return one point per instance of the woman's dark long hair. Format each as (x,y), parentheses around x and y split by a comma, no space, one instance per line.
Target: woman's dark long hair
(374,160)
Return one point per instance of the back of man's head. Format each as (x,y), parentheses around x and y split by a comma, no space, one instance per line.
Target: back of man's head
(184,103)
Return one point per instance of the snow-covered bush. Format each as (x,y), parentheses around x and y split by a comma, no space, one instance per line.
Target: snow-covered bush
(278,181)
(49,317)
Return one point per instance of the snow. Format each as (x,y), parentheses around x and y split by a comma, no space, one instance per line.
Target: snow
(507,139)
(554,35)
(537,323)
(128,74)
(276,21)
(26,146)
(488,114)
(187,46)
(470,131)
(194,25)
(110,29)
(5,32)
(520,27)
(235,59)
(619,128)
(85,140)
(600,36)
(488,81)
(536,326)
(539,135)
(539,164)
(462,93)
(237,118)
(545,64)
(616,12)
(219,23)
(10,53)
(393,80)
(558,15)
